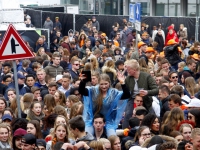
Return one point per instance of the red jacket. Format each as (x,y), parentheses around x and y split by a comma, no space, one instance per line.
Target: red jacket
(171,36)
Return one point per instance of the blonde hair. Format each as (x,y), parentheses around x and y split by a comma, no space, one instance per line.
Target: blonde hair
(87,66)
(185,125)
(110,64)
(75,109)
(96,145)
(94,63)
(174,117)
(132,64)
(40,70)
(112,140)
(182,64)
(61,116)
(4,125)
(195,131)
(73,99)
(104,140)
(39,50)
(191,86)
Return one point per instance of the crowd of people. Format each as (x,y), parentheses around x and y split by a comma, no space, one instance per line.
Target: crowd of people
(90,91)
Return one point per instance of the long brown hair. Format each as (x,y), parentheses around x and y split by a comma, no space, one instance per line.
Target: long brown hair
(50,103)
(55,140)
(191,86)
(99,100)
(62,98)
(75,111)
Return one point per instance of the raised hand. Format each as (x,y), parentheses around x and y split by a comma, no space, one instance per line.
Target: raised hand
(120,77)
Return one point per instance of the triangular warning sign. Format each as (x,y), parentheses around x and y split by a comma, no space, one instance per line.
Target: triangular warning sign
(13,46)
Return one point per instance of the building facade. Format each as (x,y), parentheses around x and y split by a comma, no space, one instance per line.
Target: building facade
(149,7)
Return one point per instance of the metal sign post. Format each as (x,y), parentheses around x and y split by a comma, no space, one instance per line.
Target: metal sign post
(137,21)
(16,88)
(13,47)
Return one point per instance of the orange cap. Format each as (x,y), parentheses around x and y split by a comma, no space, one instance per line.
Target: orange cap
(162,54)
(195,56)
(171,42)
(141,44)
(103,34)
(149,50)
(144,34)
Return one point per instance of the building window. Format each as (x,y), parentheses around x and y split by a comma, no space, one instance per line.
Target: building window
(163,7)
(145,6)
(192,8)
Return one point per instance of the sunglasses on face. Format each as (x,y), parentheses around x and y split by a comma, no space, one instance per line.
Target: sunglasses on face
(77,64)
(174,77)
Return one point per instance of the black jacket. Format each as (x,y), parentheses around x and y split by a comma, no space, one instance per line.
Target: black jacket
(3,88)
(165,106)
(130,136)
(172,54)
(159,39)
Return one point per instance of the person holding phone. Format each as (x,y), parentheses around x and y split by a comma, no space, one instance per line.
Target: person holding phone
(105,100)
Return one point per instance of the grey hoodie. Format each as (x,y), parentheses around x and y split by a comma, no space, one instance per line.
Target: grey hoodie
(87,138)
(48,25)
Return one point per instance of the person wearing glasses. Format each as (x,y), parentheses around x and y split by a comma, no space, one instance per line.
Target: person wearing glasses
(141,135)
(75,62)
(173,76)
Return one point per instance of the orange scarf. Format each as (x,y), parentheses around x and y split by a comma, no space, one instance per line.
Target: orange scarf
(116,43)
(54,141)
(81,43)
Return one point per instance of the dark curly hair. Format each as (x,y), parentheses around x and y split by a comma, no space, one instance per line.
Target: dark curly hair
(18,123)
(149,120)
